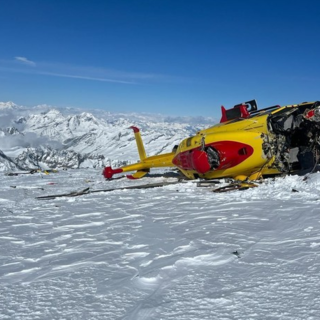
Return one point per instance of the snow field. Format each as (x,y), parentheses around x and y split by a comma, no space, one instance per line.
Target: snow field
(176,252)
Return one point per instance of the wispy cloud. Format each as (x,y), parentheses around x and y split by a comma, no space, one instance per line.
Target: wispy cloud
(25,61)
(101,74)
(85,77)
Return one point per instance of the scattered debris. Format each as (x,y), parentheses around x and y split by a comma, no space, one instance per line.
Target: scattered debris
(236,186)
(32,171)
(232,186)
(236,253)
(87,190)
(208,183)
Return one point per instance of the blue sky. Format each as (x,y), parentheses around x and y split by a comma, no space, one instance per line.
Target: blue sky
(177,57)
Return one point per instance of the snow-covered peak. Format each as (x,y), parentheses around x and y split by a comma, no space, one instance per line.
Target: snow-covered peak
(8,105)
(53,112)
(86,116)
(44,120)
(85,120)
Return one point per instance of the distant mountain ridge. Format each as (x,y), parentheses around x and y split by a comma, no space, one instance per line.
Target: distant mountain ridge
(47,137)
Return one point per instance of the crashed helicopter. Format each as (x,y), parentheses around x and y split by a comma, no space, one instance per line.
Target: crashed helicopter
(247,144)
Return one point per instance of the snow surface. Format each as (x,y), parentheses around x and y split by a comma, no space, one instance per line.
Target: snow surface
(174,252)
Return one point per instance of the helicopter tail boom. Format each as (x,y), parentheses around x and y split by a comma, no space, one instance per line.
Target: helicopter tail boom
(144,165)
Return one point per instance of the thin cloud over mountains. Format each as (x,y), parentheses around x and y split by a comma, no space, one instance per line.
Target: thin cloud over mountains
(21,64)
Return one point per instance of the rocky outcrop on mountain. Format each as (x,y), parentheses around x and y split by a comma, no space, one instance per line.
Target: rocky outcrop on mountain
(8,164)
(47,158)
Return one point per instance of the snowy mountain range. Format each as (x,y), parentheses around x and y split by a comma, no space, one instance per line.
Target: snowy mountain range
(48,137)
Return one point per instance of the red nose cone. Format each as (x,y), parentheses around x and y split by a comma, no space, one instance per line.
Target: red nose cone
(193,160)
(200,161)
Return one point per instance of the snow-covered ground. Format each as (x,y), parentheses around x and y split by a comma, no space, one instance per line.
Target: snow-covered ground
(175,252)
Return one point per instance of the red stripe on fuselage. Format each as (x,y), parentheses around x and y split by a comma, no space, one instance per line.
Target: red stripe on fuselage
(231,153)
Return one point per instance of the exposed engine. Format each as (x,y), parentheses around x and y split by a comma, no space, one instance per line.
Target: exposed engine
(213,157)
(296,144)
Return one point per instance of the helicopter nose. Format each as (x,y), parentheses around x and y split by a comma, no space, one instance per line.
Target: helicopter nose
(200,161)
(193,160)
